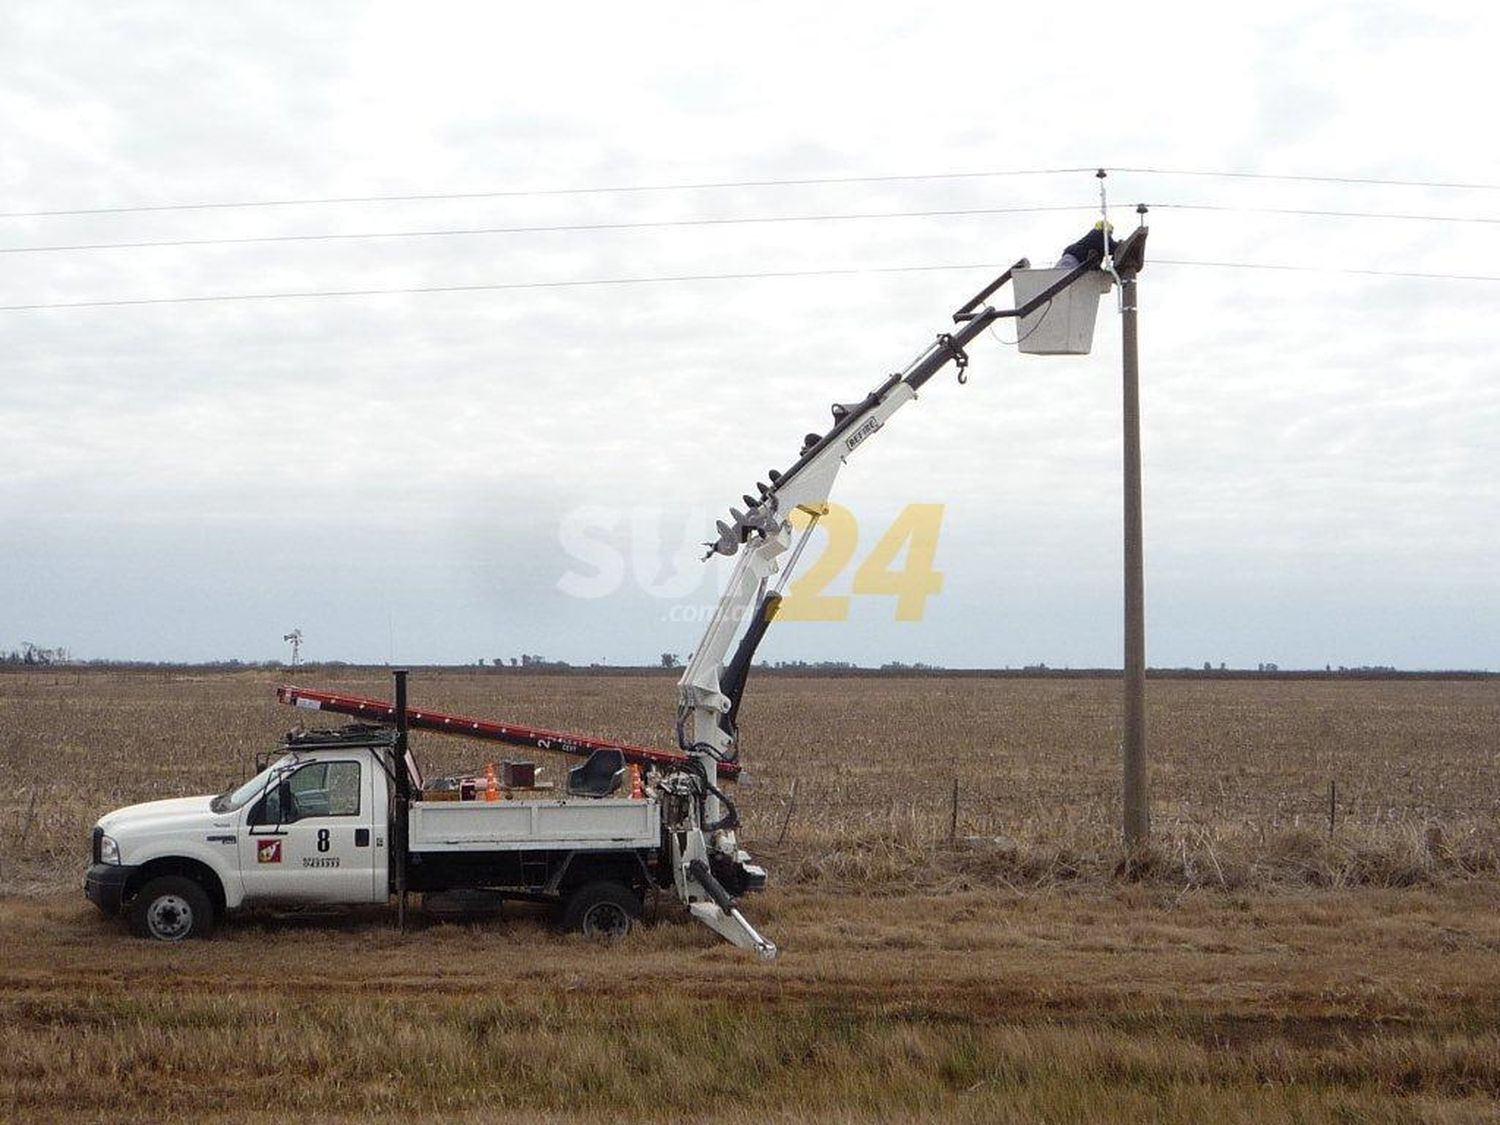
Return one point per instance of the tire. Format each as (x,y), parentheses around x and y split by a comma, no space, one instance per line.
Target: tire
(603,911)
(172,908)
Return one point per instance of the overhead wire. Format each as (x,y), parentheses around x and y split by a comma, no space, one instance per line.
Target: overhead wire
(542,229)
(1347,270)
(1302,178)
(1326,213)
(809,181)
(565,284)
(693,278)
(649,224)
(520,193)
(723,221)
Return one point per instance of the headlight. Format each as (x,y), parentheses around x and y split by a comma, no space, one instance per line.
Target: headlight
(109,851)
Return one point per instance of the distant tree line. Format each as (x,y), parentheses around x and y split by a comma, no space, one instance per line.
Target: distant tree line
(810,665)
(34,655)
(526,660)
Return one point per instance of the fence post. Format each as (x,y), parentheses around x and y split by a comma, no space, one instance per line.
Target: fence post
(1333,798)
(30,817)
(791,807)
(953,813)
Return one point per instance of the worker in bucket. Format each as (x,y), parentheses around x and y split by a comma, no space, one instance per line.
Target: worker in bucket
(1090,247)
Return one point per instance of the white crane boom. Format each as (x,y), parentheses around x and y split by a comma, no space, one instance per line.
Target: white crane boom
(711,686)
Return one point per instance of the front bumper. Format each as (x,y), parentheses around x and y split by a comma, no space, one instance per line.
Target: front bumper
(104,884)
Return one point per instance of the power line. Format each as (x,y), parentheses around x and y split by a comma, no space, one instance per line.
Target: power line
(691,278)
(517,194)
(1320,213)
(552,228)
(1328,269)
(494,288)
(722,184)
(729,221)
(1368,180)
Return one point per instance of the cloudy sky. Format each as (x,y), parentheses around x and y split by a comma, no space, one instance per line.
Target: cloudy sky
(527,466)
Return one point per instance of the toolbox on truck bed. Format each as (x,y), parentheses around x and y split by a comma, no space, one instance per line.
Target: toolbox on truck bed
(561,824)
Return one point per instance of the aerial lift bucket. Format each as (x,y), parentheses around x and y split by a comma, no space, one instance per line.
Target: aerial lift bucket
(1065,324)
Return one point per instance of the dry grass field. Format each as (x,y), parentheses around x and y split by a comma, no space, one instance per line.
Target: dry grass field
(1254,967)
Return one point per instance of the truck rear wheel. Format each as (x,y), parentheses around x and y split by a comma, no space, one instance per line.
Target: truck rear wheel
(603,911)
(172,908)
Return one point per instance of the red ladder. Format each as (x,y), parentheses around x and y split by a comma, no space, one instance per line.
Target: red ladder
(466,725)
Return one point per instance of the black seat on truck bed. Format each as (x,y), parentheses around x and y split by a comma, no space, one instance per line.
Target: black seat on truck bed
(601,775)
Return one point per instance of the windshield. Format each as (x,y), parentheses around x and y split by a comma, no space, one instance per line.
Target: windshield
(232,799)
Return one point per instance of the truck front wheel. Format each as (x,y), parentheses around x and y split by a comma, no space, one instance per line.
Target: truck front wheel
(603,911)
(172,908)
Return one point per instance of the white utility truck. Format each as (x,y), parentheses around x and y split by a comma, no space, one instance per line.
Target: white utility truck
(342,816)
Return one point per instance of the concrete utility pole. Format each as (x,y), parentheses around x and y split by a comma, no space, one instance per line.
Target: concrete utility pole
(1130,257)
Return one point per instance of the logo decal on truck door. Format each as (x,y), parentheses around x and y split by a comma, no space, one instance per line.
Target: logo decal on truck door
(268,851)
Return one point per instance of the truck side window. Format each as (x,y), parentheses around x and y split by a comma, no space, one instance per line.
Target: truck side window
(324,789)
(317,789)
(342,783)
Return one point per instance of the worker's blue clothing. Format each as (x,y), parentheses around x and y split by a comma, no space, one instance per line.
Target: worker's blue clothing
(1089,247)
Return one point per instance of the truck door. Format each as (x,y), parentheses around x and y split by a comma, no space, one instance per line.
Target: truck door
(312,837)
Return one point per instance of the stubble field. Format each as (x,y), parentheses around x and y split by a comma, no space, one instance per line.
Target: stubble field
(1266,961)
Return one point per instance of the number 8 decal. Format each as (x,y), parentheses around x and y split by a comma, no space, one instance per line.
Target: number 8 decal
(322,839)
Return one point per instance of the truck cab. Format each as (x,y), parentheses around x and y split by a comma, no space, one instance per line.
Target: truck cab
(313,826)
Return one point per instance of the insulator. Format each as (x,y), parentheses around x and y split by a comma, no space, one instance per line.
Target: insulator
(774,475)
(749,500)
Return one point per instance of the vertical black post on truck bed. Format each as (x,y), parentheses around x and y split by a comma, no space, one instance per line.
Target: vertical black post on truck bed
(397,842)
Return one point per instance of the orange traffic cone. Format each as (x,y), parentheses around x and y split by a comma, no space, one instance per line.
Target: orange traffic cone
(491,789)
(637,793)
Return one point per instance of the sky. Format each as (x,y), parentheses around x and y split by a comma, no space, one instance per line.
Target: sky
(518,463)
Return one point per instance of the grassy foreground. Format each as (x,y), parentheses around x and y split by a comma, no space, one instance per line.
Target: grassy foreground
(1360,1005)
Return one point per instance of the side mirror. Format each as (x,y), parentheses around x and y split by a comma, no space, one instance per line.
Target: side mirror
(273,807)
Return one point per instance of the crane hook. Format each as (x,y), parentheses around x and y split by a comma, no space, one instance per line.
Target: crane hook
(957,354)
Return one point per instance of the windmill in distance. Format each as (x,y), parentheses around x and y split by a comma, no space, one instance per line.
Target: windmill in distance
(295,639)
